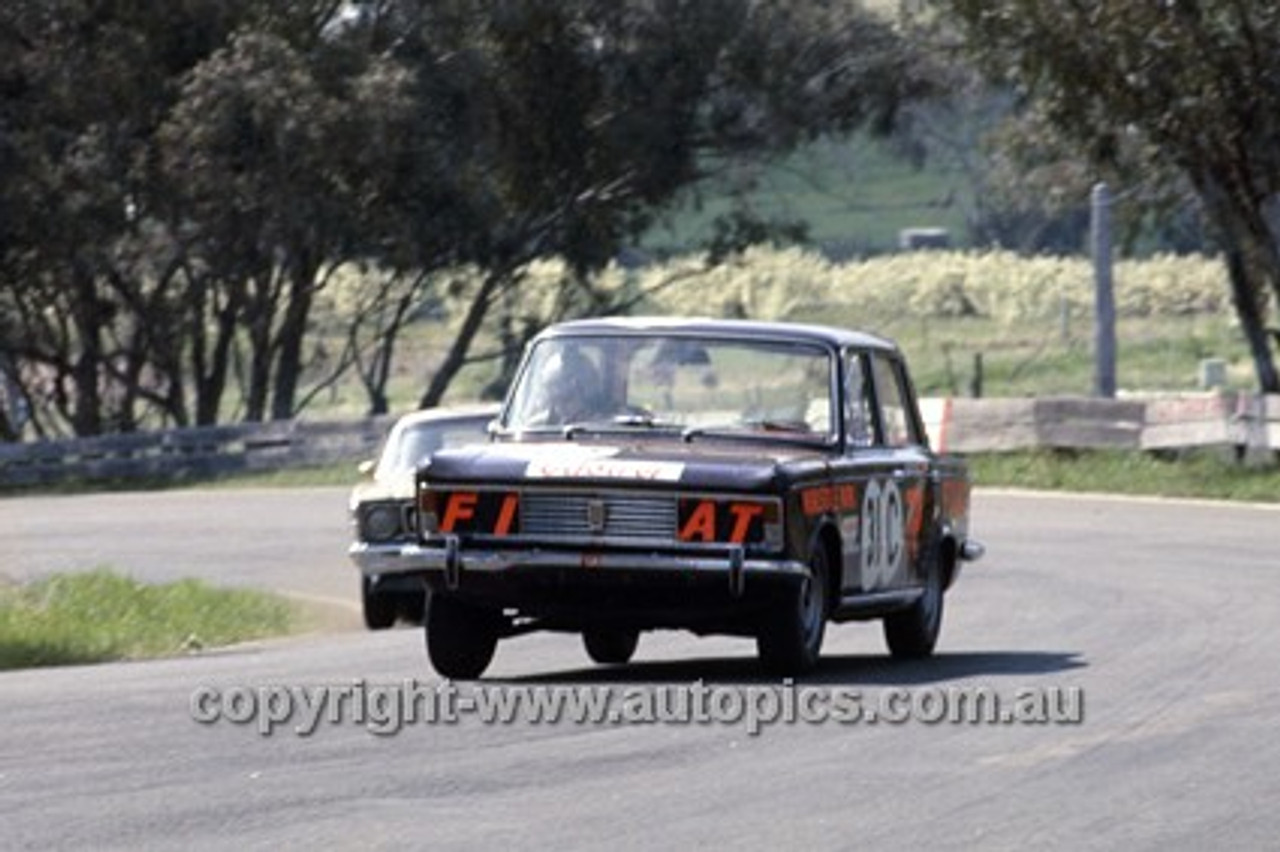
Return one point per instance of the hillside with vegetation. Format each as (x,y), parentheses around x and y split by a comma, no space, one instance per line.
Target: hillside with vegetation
(1029,320)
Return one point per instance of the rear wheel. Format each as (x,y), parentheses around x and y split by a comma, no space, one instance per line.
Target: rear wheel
(912,634)
(461,637)
(380,608)
(610,647)
(412,607)
(790,639)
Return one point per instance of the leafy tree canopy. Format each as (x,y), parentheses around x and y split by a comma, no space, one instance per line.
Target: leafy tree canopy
(1193,84)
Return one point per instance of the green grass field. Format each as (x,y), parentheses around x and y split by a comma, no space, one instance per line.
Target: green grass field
(1036,359)
(1199,475)
(855,195)
(101,615)
(1044,359)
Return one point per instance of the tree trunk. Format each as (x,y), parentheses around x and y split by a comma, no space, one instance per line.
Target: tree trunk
(379,375)
(1253,264)
(289,342)
(211,362)
(261,317)
(1245,294)
(86,315)
(376,375)
(12,398)
(457,355)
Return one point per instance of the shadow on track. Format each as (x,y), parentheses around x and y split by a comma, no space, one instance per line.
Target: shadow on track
(848,670)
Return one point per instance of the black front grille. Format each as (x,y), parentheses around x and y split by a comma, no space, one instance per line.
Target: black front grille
(568,515)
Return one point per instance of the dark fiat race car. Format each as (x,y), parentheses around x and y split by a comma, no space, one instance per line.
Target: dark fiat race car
(745,478)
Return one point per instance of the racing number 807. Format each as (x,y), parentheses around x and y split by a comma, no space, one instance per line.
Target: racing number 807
(883,542)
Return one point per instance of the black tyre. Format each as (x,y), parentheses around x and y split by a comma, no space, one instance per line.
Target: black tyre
(790,639)
(411,607)
(461,637)
(380,608)
(610,647)
(912,634)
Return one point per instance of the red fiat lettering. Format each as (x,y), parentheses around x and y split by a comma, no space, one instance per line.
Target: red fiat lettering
(701,524)
(743,515)
(459,507)
(506,515)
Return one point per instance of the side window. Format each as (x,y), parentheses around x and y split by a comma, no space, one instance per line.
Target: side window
(859,425)
(895,416)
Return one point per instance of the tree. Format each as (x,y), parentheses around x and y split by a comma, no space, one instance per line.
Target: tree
(571,125)
(81,87)
(1197,84)
(119,290)
(244,152)
(182,181)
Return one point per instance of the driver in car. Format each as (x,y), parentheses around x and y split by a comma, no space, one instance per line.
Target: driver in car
(572,390)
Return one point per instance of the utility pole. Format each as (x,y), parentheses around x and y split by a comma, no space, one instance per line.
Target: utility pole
(1104,383)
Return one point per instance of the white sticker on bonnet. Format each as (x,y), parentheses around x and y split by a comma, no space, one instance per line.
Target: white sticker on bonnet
(604,469)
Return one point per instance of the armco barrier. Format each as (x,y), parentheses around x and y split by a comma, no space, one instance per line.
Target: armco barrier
(998,425)
(192,452)
(1246,423)
(1193,421)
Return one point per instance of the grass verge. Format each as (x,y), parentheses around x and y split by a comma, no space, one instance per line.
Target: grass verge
(101,616)
(1200,475)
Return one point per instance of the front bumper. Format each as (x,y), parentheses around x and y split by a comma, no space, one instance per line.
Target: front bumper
(382,558)
(565,586)
(450,562)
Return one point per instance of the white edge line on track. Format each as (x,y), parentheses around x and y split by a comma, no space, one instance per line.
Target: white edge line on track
(1098,496)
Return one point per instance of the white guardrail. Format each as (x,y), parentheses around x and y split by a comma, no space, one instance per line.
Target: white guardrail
(1247,424)
(195,452)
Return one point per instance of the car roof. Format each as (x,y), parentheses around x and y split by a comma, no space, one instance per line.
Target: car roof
(709,327)
(451,413)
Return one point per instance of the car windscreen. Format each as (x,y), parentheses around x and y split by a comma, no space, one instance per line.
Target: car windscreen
(672,381)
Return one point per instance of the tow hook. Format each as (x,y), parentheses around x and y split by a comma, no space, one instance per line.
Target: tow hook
(737,576)
(452,563)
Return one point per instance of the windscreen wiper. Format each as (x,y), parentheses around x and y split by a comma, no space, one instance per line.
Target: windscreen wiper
(620,422)
(766,431)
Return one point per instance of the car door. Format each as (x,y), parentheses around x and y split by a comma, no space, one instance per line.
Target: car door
(894,497)
(863,478)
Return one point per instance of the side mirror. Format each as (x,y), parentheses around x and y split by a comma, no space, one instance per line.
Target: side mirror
(365,468)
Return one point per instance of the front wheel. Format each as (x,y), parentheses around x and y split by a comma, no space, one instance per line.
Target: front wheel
(461,637)
(380,608)
(790,639)
(610,647)
(912,634)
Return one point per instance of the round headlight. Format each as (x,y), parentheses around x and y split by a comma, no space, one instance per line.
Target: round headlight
(380,522)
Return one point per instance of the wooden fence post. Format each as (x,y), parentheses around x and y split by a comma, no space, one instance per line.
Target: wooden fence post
(1104,299)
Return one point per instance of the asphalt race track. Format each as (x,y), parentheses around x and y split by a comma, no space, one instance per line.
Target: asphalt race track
(1162,618)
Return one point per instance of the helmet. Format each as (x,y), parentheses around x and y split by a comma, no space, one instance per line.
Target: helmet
(570,383)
